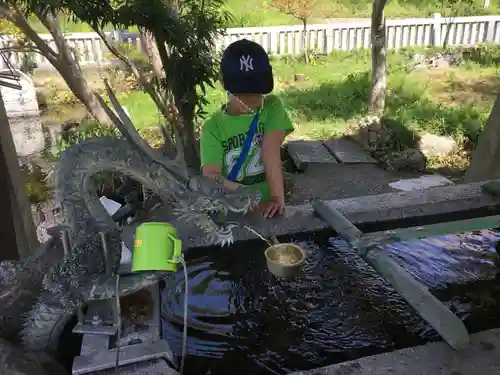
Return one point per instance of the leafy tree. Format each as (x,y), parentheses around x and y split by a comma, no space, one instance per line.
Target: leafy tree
(302,10)
(181,36)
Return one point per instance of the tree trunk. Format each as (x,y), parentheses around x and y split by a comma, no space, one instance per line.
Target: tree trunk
(305,45)
(153,53)
(184,102)
(17,230)
(379,59)
(73,75)
(189,142)
(62,60)
(71,71)
(485,163)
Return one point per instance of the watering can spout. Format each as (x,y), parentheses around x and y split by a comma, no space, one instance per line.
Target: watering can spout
(156,248)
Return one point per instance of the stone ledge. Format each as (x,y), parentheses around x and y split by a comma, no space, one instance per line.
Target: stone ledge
(430,359)
(412,205)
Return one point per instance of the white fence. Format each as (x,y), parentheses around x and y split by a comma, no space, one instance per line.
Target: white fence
(323,38)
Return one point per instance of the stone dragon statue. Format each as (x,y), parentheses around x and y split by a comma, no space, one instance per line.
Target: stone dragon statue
(39,296)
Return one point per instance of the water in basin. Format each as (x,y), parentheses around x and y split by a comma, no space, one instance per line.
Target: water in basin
(242,318)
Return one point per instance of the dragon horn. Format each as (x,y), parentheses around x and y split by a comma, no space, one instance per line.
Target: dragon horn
(127,128)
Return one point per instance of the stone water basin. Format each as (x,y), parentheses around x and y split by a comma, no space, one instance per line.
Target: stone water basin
(241,317)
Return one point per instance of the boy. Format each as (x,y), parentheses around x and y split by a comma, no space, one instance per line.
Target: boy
(240,144)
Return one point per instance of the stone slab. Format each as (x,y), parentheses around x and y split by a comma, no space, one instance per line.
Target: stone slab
(422,182)
(348,152)
(481,357)
(304,153)
(418,204)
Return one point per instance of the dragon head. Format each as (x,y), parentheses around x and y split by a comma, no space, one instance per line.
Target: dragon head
(202,199)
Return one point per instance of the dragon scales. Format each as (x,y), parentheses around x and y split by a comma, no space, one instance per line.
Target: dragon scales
(43,295)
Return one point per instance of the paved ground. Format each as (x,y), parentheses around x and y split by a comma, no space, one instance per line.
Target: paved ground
(342,171)
(480,358)
(338,181)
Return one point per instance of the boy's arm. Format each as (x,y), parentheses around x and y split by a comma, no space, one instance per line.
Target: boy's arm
(271,156)
(211,153)
(278,125)
(214,171)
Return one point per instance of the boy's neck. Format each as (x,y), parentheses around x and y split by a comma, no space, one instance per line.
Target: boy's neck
(239,106)
(234,108)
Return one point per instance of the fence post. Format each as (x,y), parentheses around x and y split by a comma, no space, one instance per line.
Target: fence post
(436,29)
(490,31)
(118,35)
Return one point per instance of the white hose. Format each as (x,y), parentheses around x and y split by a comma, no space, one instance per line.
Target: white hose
(119,322)
(184,333)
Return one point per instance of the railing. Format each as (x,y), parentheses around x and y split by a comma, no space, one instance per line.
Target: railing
(323,38)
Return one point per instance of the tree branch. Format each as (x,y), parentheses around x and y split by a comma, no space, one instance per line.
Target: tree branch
(15,16)
(51,22)
(153,53)
(148,87)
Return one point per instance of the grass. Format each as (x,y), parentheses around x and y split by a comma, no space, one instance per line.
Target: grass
(334,94)
(260,13)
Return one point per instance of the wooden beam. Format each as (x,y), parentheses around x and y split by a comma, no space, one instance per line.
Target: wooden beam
(433,311)
(7,229)
(431,230)
(18,231)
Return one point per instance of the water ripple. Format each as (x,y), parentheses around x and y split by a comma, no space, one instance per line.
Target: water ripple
(337,309)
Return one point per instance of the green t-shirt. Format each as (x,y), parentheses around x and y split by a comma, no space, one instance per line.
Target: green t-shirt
(223,135)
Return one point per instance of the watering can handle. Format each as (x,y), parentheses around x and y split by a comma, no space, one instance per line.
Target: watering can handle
(177,247)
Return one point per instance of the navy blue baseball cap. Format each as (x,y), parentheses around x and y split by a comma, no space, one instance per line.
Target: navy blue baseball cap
(245,69)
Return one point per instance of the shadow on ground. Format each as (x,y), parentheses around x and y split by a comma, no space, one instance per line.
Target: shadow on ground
(408,108)
(483,55)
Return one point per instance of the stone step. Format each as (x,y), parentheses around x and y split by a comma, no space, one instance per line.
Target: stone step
(348,152)
(304,153)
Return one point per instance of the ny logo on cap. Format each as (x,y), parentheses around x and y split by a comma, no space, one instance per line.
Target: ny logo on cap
(246,63)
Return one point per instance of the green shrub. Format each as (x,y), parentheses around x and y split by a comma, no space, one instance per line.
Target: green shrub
(35,183)
(87,129)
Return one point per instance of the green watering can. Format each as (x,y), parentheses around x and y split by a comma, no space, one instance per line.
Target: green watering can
(156,248)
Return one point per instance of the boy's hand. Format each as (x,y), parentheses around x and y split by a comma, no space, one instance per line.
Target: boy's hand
(272,208)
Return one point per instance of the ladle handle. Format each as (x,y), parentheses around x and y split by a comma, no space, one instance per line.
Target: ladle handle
(274,239)
(418,296)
